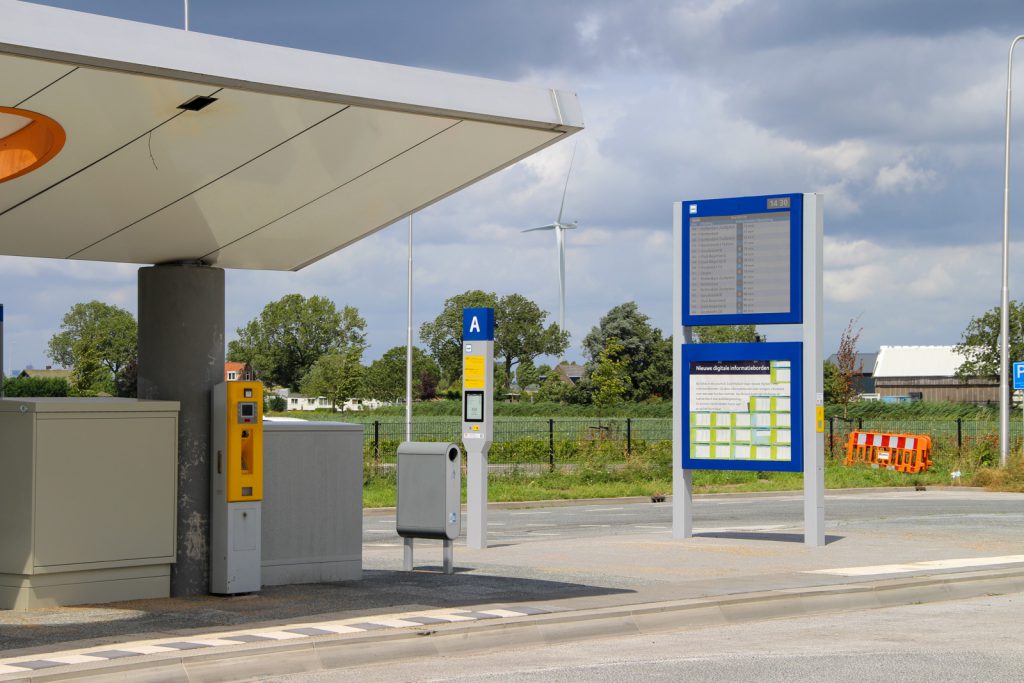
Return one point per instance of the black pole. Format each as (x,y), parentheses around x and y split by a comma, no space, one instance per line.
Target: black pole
(959,434)
(629,436)
(551,444)
(860,423)
(376,443)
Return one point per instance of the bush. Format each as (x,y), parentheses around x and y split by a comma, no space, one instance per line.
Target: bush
(277,404)
(998,479)
(36,387)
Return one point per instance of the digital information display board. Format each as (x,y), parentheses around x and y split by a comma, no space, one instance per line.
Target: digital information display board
(742,260)
(741,408)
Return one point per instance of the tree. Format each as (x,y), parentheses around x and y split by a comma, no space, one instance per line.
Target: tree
(722,334)
(336,376)
(519,333)
(830,377)
(527,373)
(848,365)
(554,389)
(103,337)
(611,375)
(648,355)
(291,334)
(979,344)
(90,376)
(385,378)
(126,382)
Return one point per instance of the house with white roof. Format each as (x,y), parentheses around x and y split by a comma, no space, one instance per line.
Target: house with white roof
(928,373)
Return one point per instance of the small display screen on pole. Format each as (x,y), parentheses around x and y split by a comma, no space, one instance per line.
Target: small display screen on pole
(474,406)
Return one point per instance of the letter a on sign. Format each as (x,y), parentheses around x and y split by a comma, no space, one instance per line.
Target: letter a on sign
(474,326)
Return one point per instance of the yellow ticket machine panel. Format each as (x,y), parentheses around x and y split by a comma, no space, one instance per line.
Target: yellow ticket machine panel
(243,455)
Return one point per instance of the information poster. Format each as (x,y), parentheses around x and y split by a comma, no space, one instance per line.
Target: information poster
(742,406)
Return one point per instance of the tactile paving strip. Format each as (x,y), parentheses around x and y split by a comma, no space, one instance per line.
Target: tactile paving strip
(236,638)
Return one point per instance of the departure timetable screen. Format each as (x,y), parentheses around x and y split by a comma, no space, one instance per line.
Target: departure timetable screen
(740,264)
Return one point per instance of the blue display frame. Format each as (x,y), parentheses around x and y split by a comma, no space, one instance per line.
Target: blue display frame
(771,351)
(741,205)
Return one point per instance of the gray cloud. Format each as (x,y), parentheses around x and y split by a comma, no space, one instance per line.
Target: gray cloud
(892,109)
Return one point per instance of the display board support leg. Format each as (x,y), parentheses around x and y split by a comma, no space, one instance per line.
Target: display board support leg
(407,554)
(682,502)
(449,558)
(814,441)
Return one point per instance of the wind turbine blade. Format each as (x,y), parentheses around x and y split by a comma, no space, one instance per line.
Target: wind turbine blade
(566,188)
(543,227)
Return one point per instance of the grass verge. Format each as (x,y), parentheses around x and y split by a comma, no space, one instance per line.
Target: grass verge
(638,479)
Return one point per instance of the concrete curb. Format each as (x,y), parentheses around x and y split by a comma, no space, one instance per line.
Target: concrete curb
(324,653)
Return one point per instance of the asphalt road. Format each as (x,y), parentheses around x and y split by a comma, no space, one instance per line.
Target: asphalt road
(967,510)
(968,640)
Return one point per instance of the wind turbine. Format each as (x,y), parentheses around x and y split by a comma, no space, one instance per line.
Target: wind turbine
(559,227)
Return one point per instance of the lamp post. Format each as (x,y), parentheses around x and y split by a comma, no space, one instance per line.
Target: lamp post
(408,346)
(1004,321)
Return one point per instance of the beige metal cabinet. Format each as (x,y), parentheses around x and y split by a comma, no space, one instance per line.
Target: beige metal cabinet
(87,500)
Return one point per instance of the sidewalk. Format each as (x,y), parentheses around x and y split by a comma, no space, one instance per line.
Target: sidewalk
(520,591)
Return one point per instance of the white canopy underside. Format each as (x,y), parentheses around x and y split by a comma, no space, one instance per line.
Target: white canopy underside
(300,155)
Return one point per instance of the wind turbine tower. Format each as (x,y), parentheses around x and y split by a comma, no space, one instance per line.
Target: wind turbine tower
(559,227)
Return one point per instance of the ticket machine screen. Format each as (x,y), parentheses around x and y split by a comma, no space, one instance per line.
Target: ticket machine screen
(474,406)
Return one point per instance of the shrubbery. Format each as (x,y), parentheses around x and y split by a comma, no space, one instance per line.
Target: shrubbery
(18,387)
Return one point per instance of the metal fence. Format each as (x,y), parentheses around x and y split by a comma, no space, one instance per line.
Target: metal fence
(522,441)
(959,433)
(533,443)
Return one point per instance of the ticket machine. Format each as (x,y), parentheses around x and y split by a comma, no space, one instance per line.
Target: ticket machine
(236,487)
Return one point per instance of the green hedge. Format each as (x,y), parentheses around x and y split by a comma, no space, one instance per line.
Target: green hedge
(35,387)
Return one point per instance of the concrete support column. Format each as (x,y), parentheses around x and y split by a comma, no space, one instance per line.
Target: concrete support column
(181,358)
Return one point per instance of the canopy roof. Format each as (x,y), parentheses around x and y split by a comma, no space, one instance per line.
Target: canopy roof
(298,155)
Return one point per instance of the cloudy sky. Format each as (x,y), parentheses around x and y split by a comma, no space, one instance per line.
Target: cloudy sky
(893,109)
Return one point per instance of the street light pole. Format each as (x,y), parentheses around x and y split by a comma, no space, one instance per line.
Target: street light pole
(1004,321)
(408,346)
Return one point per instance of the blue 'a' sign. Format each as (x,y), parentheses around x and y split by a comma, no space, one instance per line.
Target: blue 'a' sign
(478,324)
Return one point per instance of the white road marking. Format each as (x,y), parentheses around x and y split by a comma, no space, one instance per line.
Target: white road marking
(502,612)
(723,529)
(960,563)
(536,512)
(540,525)
(596,526)
(76,659)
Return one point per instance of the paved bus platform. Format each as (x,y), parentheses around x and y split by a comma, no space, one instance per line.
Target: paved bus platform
(553,572)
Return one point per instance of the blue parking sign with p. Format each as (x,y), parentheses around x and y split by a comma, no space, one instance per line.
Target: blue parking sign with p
(1018,375)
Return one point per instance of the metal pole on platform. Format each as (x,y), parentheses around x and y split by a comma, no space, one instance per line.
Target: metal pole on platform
(408,346)
(1004,320)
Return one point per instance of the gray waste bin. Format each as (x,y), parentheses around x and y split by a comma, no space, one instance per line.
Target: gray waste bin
(429,495)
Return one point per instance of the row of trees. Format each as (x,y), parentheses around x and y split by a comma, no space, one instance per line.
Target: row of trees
(311,346)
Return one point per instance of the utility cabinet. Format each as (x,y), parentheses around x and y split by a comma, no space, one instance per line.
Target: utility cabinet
(87,500)
(312,502)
